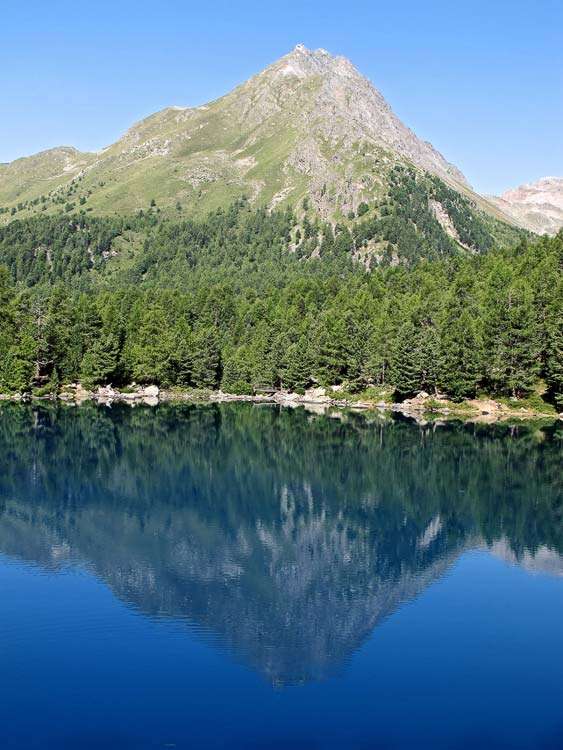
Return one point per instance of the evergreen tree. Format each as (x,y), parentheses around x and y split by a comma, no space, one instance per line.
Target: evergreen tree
(427,356)
(150,349)
(512,340)
(297,366)
(224,302)
(183,356)
(379,350)
(331,346)
(7,295)
(206,358)
(459,357)
(554,347)
(99,363)
(405,362)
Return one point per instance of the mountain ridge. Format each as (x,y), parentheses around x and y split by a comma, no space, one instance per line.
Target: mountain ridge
(308,126)
(537,206)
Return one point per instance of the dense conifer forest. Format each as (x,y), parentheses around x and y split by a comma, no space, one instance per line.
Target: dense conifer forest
(249,297)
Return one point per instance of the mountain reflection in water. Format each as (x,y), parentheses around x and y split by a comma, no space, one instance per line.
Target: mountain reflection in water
(288,536)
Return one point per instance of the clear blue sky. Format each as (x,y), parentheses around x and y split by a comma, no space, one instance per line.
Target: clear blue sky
(483,81)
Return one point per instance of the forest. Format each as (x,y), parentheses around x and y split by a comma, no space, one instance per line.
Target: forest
(248,297)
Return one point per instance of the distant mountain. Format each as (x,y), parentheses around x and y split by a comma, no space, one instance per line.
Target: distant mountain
(309,126)
(537,206)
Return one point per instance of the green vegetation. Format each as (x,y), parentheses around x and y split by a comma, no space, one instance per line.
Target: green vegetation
(249,297)
(406,220)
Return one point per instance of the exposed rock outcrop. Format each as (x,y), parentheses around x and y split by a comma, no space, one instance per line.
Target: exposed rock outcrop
(108,394)
(537,206)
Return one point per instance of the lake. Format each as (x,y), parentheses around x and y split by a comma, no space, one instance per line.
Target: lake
(241,576)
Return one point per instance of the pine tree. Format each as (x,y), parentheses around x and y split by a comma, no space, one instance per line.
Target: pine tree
(43,364)
(99,363)
(7,326)
(459,353)
(151,347)
(331,348)
(554,347)
(6,300)
(206,358)
(379,350)
(62,350)
(512,339)
(297,365)
(427,355)
(405,363)
(182,359)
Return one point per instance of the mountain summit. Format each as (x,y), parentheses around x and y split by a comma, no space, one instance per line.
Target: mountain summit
(308,126)
(537,206)
(337,104)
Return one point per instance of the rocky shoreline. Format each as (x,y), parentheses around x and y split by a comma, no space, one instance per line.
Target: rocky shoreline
(75,393)
(316,399)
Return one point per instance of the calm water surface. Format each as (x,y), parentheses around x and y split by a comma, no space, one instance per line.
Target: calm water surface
(243,577)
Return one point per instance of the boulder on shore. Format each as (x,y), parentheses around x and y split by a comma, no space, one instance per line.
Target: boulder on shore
(150,391)
(316,396)
(420,402)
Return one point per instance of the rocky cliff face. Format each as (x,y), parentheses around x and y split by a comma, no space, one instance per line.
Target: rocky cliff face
(341,106)
(537,206)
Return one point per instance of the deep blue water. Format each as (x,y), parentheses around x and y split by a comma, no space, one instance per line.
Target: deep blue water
(249,577)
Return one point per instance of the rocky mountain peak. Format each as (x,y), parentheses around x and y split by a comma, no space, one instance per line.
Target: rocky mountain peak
(345,106)
(546,190)
(537,206)
(304,62)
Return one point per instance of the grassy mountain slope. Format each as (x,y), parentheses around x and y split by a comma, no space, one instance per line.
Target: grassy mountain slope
(309,126)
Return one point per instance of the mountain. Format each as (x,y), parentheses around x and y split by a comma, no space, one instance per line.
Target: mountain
(309,126)
(537,206)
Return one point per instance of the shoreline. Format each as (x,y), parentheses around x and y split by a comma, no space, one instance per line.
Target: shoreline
(316,400)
